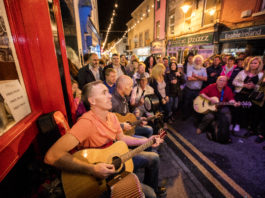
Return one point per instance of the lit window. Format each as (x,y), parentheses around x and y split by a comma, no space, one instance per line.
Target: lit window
(209,14)
(157,4)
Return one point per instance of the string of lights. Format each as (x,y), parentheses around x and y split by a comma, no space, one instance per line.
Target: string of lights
(110,25)
(128,30)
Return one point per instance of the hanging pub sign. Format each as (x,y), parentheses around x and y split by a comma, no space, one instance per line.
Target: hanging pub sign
(244,33)
(198,39)
(158,47)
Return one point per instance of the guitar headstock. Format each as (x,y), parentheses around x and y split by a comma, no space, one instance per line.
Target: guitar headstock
(162,133)
(246,104)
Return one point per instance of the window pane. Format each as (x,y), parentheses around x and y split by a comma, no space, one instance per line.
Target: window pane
(14,104)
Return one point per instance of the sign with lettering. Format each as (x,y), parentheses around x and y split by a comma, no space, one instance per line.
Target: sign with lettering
(244,33)
(158,47)
(199,39)
(15,98)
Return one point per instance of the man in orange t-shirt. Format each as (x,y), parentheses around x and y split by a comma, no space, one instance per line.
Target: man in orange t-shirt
(95,128)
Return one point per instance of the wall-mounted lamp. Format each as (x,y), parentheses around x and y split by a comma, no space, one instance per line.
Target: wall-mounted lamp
(185,8)
(211,12)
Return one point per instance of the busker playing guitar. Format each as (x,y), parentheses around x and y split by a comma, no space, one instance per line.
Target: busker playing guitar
(97,128)
(144,159)
(120,105)
(224,94)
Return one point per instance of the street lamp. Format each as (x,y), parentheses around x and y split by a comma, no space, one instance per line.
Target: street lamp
(186,6)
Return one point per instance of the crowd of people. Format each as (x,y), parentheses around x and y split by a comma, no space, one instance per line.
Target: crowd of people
(120,86)
(177,85)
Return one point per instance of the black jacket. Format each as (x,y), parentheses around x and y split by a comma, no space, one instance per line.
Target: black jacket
(210,70)
(85,76)
(174,89)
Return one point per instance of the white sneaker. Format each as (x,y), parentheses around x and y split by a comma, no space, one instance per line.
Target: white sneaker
(231,127)
(237,128)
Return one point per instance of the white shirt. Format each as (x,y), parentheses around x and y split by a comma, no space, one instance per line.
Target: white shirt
(95,72)
(137,94)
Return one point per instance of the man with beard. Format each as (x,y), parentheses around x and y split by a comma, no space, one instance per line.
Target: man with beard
(196,75)
(91,71)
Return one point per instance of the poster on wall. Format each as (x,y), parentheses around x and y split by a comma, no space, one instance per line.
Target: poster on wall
(14,97)
(14,104)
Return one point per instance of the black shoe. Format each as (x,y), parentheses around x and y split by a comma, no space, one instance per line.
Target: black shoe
(248,134)
(162,191)
(259,139)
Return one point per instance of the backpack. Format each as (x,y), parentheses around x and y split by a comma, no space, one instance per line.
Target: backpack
(218,131)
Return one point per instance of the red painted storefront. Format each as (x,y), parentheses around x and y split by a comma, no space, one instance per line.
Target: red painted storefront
(33,38)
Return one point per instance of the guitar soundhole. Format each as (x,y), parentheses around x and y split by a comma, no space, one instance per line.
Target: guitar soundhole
(116,161)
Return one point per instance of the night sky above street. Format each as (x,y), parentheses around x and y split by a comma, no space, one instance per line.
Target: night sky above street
(123,15)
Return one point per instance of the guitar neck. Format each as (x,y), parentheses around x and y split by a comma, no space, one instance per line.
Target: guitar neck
(224,103)
(139,121)
(139,149)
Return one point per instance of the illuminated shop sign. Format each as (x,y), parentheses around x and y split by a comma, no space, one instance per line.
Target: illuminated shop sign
(158,47)
(244,33)
(199,39)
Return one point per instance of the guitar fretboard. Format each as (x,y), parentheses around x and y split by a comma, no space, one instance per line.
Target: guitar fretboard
(139,149)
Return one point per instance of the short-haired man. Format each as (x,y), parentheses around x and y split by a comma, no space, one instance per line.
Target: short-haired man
(95,129)
(91,71)
(120,105)
(120,70)
(224,94)
(110,79)
(214,70)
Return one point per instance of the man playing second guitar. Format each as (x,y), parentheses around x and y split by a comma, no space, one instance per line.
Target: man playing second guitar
(225,94)
(94,129)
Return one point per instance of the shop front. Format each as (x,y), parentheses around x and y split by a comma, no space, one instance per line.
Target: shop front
(142,52)
(198,44)
(158,48)
(250,40)
(34,80)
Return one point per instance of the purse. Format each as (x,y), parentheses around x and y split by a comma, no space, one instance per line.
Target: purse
(256,96)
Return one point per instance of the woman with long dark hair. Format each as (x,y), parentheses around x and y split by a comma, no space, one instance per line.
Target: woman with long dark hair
(150,62)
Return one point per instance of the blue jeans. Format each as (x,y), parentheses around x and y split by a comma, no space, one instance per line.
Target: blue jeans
(150,161)
(173,103)
(145,131)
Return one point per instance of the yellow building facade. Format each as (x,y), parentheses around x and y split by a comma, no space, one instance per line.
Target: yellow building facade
(141,28)
(191,27)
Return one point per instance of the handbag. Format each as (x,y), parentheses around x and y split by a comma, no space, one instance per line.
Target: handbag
(256,96)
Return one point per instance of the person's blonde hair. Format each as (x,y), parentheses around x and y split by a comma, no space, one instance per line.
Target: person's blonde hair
(260,64)
(157,71)
(142,63)
(246,61)
(198,56)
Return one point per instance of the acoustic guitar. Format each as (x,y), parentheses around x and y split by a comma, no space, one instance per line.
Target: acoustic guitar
(202,105)
(132,120)
(82,186)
